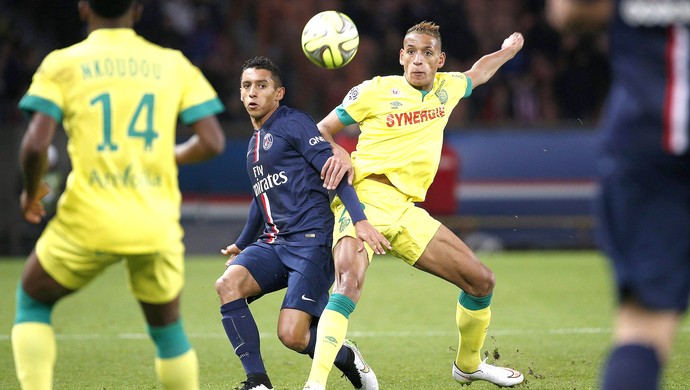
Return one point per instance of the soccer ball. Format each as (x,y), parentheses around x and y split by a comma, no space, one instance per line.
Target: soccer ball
(330,39)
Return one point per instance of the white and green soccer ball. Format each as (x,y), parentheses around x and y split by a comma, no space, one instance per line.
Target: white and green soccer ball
(330,39)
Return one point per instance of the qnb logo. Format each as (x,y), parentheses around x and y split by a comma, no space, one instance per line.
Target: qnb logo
(266,183)
(315,140)
(655,13)
(414,117)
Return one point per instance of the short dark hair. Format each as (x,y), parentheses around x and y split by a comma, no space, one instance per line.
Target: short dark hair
(426,28)
(261,62)
(110,8)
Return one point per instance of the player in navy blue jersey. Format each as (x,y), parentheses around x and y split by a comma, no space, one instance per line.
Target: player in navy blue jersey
(291,217)
(644,202)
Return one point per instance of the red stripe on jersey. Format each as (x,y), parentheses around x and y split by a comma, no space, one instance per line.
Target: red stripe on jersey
(269,219)
(677,98)
(257,144)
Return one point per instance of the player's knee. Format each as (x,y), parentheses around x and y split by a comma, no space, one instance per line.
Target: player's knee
(484,284)
(291,338)
(350,287)
(226,288)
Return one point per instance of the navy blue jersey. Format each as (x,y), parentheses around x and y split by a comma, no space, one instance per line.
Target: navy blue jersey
(284,160)
(649,102)
(644,197)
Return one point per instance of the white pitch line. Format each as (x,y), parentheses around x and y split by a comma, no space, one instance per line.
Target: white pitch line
(358,334)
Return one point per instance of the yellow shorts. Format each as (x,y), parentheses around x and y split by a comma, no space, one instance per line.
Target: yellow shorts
(408,228)
(153,278)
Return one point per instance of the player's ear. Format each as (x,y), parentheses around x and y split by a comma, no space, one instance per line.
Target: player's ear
(280,93)
(441,59)
(137,11)
(84,9)
(402,52)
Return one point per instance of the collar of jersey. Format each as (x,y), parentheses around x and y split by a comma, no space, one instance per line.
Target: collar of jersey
(104,34)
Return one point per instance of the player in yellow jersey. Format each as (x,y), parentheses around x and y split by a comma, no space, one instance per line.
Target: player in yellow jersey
(119,98)
(401,121)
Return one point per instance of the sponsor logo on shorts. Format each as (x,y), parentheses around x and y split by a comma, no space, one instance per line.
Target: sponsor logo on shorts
(344,221)
(305,298)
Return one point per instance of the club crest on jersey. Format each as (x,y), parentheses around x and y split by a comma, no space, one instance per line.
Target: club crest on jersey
(441,93)
(268,141)
(395,91)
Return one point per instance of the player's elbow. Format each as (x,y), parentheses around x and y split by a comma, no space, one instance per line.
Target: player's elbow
(217,147)
(209,136)
(214,144)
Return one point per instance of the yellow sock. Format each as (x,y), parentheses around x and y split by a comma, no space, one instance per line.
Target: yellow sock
(330,335)
(35,351)
(472,325)
(179,373)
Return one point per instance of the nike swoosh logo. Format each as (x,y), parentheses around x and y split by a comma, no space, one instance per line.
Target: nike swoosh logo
(304,298)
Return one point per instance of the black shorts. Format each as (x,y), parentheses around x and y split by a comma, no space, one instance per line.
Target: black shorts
(644,226)
(307,271)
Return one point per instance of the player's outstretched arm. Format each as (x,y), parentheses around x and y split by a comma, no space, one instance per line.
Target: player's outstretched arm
(488,65)
(249,234)
(578,15)
(33,158)
(209,141)
(340,163)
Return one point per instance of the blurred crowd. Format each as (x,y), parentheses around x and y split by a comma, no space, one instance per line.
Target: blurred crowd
(556,80)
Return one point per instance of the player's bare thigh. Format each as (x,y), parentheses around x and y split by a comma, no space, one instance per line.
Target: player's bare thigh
(39,284)
(448,257)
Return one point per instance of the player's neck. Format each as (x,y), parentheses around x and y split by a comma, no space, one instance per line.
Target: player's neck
(127,20)
(258,122)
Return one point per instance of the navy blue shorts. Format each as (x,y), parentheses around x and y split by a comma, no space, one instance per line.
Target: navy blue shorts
(644,225)
(307,272)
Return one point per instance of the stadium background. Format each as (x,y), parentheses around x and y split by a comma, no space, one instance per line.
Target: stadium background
(518,171)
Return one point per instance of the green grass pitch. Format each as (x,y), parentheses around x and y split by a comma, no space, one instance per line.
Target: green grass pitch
(552,318)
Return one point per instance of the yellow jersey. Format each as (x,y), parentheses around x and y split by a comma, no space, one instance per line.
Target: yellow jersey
(119,98)
(402,128)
